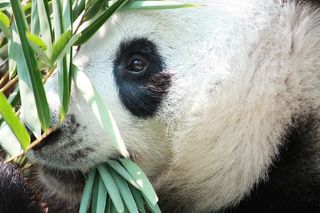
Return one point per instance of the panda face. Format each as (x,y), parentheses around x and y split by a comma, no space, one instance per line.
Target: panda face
(156,71)
(200,102)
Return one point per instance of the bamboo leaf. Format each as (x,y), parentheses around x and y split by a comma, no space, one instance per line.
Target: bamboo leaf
(38,47)
(35,23)
(156,5)
(88,32)
(8,141)
(138,199)
(141,179)
(45,23)
(5,25)
(63,51)
(153,207)
(9,115)
(4,5)
(119,169)
(30,117)
(61,46)
(125,193)
(111,188)
(87,191)
(36,40)
(33,71)
(99,196)
(101,112)
(78,8)
(93,7)
(94,197)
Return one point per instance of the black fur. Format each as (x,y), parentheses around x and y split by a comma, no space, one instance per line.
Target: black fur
(294,179)
(15,195)
(141,96)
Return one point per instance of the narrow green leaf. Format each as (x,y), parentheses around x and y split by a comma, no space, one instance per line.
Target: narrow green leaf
(78,8)
(113,208)
(8,141)
(45,23)
(36,40)
(5,25)
(16,57)
(61,46)
(125,193)
(138,199)
(38,47)
(154,208)
(99,203)
(156,5)
(13,50)
(13,121)
(119,169)
(141,179)
(33,71)
(35,23)
(101,112)
(63,50)
(93,7)
(87,191)
(88,32)
(111,188)
(4,5)
(94,197)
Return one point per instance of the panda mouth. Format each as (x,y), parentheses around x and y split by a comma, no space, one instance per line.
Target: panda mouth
(67,184)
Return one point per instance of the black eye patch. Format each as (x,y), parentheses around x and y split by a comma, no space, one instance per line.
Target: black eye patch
(139,74)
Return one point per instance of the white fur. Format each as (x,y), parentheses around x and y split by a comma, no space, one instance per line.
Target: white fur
(241,70)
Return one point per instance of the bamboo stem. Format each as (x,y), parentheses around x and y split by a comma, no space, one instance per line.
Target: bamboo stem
(9,84)
(34,143)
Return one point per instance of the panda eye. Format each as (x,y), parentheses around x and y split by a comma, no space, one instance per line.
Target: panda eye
(137,65)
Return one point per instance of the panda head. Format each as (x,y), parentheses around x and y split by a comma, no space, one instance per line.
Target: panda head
(182,87)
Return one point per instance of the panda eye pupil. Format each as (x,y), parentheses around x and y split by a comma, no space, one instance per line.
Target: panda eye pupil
(137,64)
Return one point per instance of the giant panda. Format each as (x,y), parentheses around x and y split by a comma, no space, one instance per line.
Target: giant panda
(219,104)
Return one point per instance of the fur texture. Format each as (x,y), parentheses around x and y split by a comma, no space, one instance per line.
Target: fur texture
(15,195)
(244,78)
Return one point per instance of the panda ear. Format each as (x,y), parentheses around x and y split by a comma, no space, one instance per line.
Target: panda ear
(15,195)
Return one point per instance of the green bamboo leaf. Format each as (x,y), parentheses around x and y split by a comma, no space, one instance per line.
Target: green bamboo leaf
(125,193)
(78,8)
(112,208)
(45,22)
(13,50)
(33,71)
(94,197)
(4,5)
(93,7)
(101,112)
(88,32)
(61,46)
(35,23)
(111,188)
(9,115)
(119,169)
(36,40)
(156,5)
(8,141)
(141,179)
(154,208)
(87,191)
(5,25)
(63,54)
(16,57)
(138,199)
(100,197)
(38,47)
